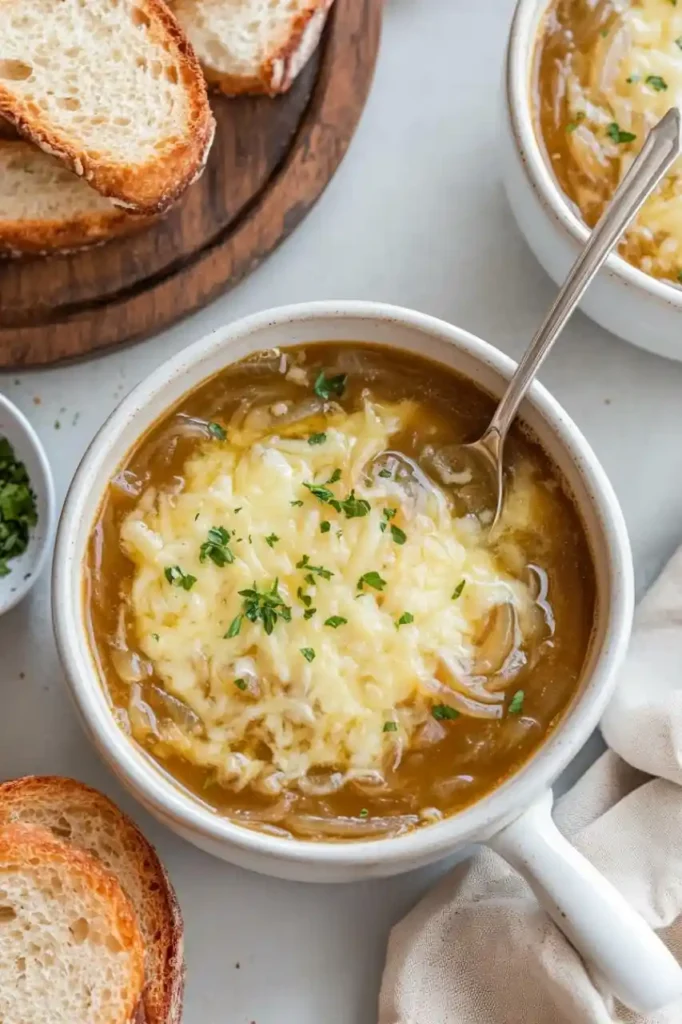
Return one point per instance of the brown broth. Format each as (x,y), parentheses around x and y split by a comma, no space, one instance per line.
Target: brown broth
(476,755)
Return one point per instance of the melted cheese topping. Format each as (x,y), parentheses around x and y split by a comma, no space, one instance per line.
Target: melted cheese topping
(634,76)
(275,709)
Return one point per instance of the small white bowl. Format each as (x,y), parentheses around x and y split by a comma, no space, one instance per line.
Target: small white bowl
(637,307)
(25,570)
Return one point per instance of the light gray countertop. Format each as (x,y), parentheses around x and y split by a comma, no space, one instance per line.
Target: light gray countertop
(415,216)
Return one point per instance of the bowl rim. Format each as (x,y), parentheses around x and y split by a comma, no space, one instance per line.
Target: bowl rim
(523,35)
(159,793)
(47,488)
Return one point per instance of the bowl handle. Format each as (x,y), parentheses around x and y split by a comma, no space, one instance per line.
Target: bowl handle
(589,910)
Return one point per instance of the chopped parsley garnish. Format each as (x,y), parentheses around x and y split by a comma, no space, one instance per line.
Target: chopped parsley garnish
(308,653)
(364,813)
(319,570)
(618,135)
(335,477)
(390,727)
(372,579)
(604,32)
(325,526)
(405,619)
(325,386)
(516,703)
(308,614)
(296,504)
(579,118)
(155,636)
(17,506)
(335,621)
(317,438)
(656,82)
(678,42)
(305,599)
(633,79)
(385,473)
(399,536)
(388,514)
(321,492)
(216,547)
(443,712)
(177,578)
(235,626)
(352,507)
(266,606)
(240,684)
(215,430)
(271,540)
(458,590)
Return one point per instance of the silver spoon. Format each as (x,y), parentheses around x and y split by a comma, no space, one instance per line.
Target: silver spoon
(660,149)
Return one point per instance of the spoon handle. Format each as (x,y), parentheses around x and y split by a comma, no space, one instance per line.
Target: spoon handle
(660,150)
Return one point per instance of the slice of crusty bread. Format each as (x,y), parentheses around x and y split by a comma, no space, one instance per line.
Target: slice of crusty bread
(90,822)
(44,208)
(112,88)
(70,948)
(252,46)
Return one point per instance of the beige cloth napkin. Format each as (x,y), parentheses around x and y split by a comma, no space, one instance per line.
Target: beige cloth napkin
(479,950)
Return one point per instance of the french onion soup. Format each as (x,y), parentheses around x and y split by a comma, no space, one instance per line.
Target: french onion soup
(298,608)
(605,73)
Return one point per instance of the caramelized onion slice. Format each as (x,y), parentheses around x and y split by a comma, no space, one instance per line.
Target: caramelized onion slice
(499,637)
(350,828)
(464,704)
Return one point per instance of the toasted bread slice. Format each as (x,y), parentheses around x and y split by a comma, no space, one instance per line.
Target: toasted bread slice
(44,208)
(90,822)
(110,87)
(249,46)
(70,948)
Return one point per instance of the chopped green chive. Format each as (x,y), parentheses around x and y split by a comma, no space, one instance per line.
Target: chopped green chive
(325,386)
(618,135)
(390,727)
(325,526)
(458,590)
(516,703)
(271,540)
(656,82)
(266,606)
(443,712)
(216,547)
(317,439)
(296,504)
(335,621)
(177,578)
(364,813)
(308,653)
(335,477)
(215,430)
(372,579)
(319,570)
(399,536)
(405,619)
(240,684)
(235,626)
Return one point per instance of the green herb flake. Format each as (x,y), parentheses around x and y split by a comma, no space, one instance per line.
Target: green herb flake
(352,507)
(335,477)
(390,727)
(385,474)
(271,540)
(319,570)
(364,813)
(679,276)
(656,82)
(241,684)
(325,526)
(308,614)
(678,42)
(18,511)
(516,703)
(458,590)
(265,606)
(633,79)
(335,621)
(305,599)
(296,504)
(308,653)
(326,387)
(579,118)
(399,536)
(216,547)
(444,713)
(218,432)
(405,619)
(618,135)
(155,636)
(371,579)
(235,626)
(177,578)
(320,492)
(317,438)
(604,33)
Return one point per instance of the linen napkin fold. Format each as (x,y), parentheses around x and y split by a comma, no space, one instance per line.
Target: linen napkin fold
(479,950)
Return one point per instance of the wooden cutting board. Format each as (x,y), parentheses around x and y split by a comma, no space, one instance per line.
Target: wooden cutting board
(270,162)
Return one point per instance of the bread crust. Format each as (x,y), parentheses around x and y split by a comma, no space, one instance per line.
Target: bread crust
(20,843)
(160,918)
(154,185)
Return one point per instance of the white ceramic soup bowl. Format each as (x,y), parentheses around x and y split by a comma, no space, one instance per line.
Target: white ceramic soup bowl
(515,819)
(623,299)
